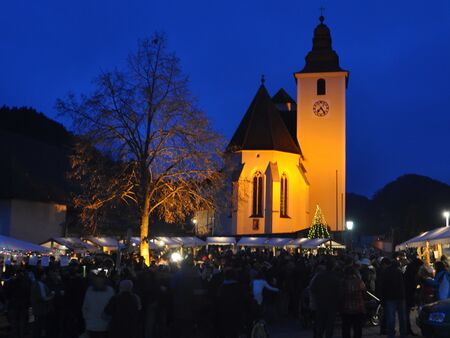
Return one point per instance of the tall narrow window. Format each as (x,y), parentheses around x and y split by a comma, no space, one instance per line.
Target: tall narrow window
(284,196)
(257,207)
(321,87)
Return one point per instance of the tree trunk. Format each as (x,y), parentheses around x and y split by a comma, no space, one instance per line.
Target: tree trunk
(144,230)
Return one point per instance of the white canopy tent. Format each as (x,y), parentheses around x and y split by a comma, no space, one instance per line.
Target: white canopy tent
(440,236)
(252,241)
(136,242)
(278,242)
(298,243)
(105,243)
(167,241)
(69,243)
(316,243)
(13,244)
(189,242)
(418,241)
(220,241)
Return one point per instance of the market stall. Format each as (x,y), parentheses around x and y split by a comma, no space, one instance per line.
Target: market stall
(189,242)
(297,243)
(65,244)
(252,241)
(220,241)
(166,241)
(10,244)
(434,242)
(105,244)
(317,243)
(278,242)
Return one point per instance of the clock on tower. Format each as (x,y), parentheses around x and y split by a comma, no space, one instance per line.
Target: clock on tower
(321,119)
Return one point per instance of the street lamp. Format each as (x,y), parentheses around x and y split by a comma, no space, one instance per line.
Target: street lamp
(349,225)
(446,215)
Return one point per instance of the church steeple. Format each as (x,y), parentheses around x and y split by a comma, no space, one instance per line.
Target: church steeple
(322,57)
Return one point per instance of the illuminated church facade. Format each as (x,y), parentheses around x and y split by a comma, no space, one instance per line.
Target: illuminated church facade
(290,155)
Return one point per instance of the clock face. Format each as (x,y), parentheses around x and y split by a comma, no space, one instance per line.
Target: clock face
(321,108)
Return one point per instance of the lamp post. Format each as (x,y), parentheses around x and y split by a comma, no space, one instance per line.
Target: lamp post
(349,226)
(446,215)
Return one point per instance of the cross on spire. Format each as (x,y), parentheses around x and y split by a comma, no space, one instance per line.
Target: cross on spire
(321,18)
(263,79)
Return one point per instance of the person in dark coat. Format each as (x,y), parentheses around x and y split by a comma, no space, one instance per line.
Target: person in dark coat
(325,288)
(229,301)
(411,278)
(18,297)
(123,309)
(393,298)
(41,298)
(352,307)
(74,289)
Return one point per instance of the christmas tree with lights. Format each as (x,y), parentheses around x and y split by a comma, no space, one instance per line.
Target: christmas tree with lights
(319,228)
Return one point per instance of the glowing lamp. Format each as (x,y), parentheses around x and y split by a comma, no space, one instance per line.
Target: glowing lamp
(176,257)
(446,215)
(349,225)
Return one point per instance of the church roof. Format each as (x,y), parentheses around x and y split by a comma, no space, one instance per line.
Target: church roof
(263,128)
(322,57)
(282,97)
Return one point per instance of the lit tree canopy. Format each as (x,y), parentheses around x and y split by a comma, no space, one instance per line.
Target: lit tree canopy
(319,228)
(144,118)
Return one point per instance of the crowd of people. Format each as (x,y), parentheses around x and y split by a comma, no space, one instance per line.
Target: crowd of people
(217,294)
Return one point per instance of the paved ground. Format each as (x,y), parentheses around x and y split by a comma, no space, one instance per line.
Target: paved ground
(280,328)
(290,328)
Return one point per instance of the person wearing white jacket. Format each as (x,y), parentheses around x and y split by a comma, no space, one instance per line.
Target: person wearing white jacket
(96,298)
(258,286)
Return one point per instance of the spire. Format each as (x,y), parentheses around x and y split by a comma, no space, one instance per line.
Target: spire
(263,128)
(322,57)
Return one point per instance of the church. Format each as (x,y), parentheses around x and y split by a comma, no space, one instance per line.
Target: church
(290,155)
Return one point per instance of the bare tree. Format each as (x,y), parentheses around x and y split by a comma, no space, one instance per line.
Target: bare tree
(146,120)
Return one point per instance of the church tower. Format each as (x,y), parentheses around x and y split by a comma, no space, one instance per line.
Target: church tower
(321,124)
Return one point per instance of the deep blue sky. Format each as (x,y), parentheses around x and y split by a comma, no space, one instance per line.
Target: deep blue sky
(398,53)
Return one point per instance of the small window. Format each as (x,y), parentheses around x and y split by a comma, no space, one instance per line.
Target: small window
(255,224)
(321,87)
(284,196)
(257,205)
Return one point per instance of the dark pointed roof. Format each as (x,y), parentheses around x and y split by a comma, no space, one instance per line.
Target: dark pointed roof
(288,112)
(262,128)
(322,57)
(282,97)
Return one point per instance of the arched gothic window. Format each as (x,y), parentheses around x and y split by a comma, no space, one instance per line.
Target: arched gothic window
(321,87)
(257,206)
(284,196)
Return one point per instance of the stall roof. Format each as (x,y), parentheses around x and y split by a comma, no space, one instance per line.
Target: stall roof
(136,242)
(69,243)
(170,242)
(13,244)
(220,240)
(325,242)
(278,242)
(189,242)
(438,235)
(415,242)
(103,242)
(298,242)
(252,241)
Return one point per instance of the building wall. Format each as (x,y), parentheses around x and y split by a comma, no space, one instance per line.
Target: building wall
(272,164)
(31,220)
(323,142)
